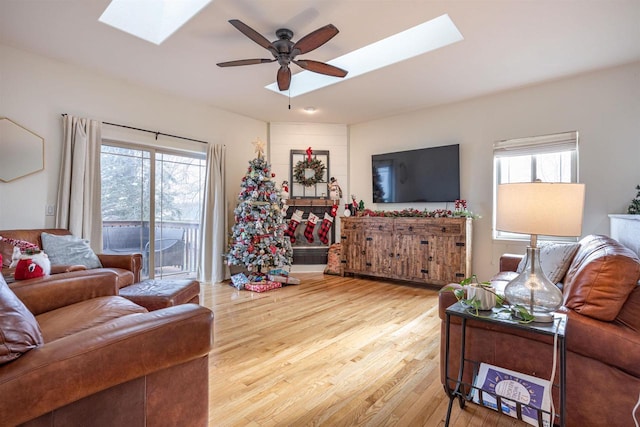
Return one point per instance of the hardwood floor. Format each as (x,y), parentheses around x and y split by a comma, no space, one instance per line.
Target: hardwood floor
(331,351)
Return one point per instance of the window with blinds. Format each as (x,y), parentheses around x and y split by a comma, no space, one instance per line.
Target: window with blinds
(547,158)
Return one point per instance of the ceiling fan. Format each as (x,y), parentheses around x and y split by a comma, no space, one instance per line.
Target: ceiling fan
(285,51)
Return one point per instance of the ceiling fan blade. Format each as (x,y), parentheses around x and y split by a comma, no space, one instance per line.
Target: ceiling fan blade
(252,34)
(314,40)
(284,78)
(320,67)
(244,62)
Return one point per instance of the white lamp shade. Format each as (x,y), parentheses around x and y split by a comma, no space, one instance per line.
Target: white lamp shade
(550,209)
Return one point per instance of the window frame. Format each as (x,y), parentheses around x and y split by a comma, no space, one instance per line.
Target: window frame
(533,146)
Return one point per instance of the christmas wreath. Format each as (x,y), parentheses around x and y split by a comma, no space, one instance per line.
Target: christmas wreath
(313,164)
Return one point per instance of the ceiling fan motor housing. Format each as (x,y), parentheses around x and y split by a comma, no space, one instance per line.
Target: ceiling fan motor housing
(283,46)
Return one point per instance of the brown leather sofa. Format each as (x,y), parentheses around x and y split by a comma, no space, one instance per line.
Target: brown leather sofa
(602,302)
(106,361)
(126,266)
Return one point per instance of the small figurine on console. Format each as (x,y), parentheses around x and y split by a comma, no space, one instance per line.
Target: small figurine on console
(284,191)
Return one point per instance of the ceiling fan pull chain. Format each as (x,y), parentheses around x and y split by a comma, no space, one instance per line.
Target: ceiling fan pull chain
(289,98)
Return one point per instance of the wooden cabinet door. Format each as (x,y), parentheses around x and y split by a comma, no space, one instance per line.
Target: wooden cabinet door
(378,248)
(352,246)
(447,263)
(411,258)
(412,250)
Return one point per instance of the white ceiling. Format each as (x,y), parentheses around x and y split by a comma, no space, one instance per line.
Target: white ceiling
(507,44)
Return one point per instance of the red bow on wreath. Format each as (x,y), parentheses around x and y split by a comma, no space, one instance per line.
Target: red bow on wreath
(309,152)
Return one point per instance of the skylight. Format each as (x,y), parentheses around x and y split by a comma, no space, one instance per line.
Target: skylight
(423,38)
(151,20)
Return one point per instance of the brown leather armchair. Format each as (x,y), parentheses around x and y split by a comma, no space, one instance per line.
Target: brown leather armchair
(126,266)
(105,360)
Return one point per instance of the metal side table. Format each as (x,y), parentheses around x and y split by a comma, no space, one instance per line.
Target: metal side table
(557,327)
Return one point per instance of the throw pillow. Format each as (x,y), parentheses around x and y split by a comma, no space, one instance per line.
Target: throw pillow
(555,259)
(69,250)
(19,330)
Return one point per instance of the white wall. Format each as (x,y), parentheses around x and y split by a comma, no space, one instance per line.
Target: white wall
(603,106)
(35,91)
(284,137)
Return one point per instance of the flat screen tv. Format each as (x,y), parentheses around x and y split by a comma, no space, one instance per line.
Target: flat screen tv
(417,176)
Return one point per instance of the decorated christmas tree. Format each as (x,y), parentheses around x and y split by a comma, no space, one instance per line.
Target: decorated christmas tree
(258,240)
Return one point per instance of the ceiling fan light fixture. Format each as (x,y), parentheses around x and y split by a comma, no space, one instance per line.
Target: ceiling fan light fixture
(422,38)
(310,110)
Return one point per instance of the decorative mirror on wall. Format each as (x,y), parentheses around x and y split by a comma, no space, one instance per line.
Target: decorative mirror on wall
(21,151)
(309,173)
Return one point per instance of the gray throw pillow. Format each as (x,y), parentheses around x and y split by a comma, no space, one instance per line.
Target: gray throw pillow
(555,259)
(19,330)
(69,250)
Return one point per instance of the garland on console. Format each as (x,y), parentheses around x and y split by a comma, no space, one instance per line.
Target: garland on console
(315,164)
(415,213)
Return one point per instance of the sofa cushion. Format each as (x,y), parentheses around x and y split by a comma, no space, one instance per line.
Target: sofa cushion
(74,318)
(600,278)
(555,259)
(69,250)
(19,330)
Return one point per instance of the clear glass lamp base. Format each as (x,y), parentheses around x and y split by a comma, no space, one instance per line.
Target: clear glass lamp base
(533,290)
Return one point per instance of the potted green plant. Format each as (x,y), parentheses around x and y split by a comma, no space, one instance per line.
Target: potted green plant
(481,296)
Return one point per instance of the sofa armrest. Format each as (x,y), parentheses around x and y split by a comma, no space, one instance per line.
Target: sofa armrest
(131,262)
(45,294)
(509,262)
(609,342)
(446,298)
(82,364)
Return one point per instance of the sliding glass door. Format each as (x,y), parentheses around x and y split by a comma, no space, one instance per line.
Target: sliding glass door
(151,201)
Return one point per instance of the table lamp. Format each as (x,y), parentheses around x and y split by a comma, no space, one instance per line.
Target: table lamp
(537,208)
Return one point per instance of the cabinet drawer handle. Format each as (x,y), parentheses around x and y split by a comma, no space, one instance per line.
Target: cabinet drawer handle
(380,227)
(459,244)
(460,274)
(368,239)
(368,264)
(411,228)
(424,271)
(444,229)
(430,258)
(391,255)
(424,242)
(363,252)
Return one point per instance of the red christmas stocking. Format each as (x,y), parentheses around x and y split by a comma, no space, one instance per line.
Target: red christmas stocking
(311,224)
(325,227)
(295,220)
(334,210)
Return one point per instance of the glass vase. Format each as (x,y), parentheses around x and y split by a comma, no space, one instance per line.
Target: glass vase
(533,290)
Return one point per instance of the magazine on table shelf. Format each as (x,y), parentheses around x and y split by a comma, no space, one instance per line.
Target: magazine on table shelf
(532,392)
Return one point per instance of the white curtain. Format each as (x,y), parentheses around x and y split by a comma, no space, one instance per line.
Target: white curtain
(79,186)
(213,234)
